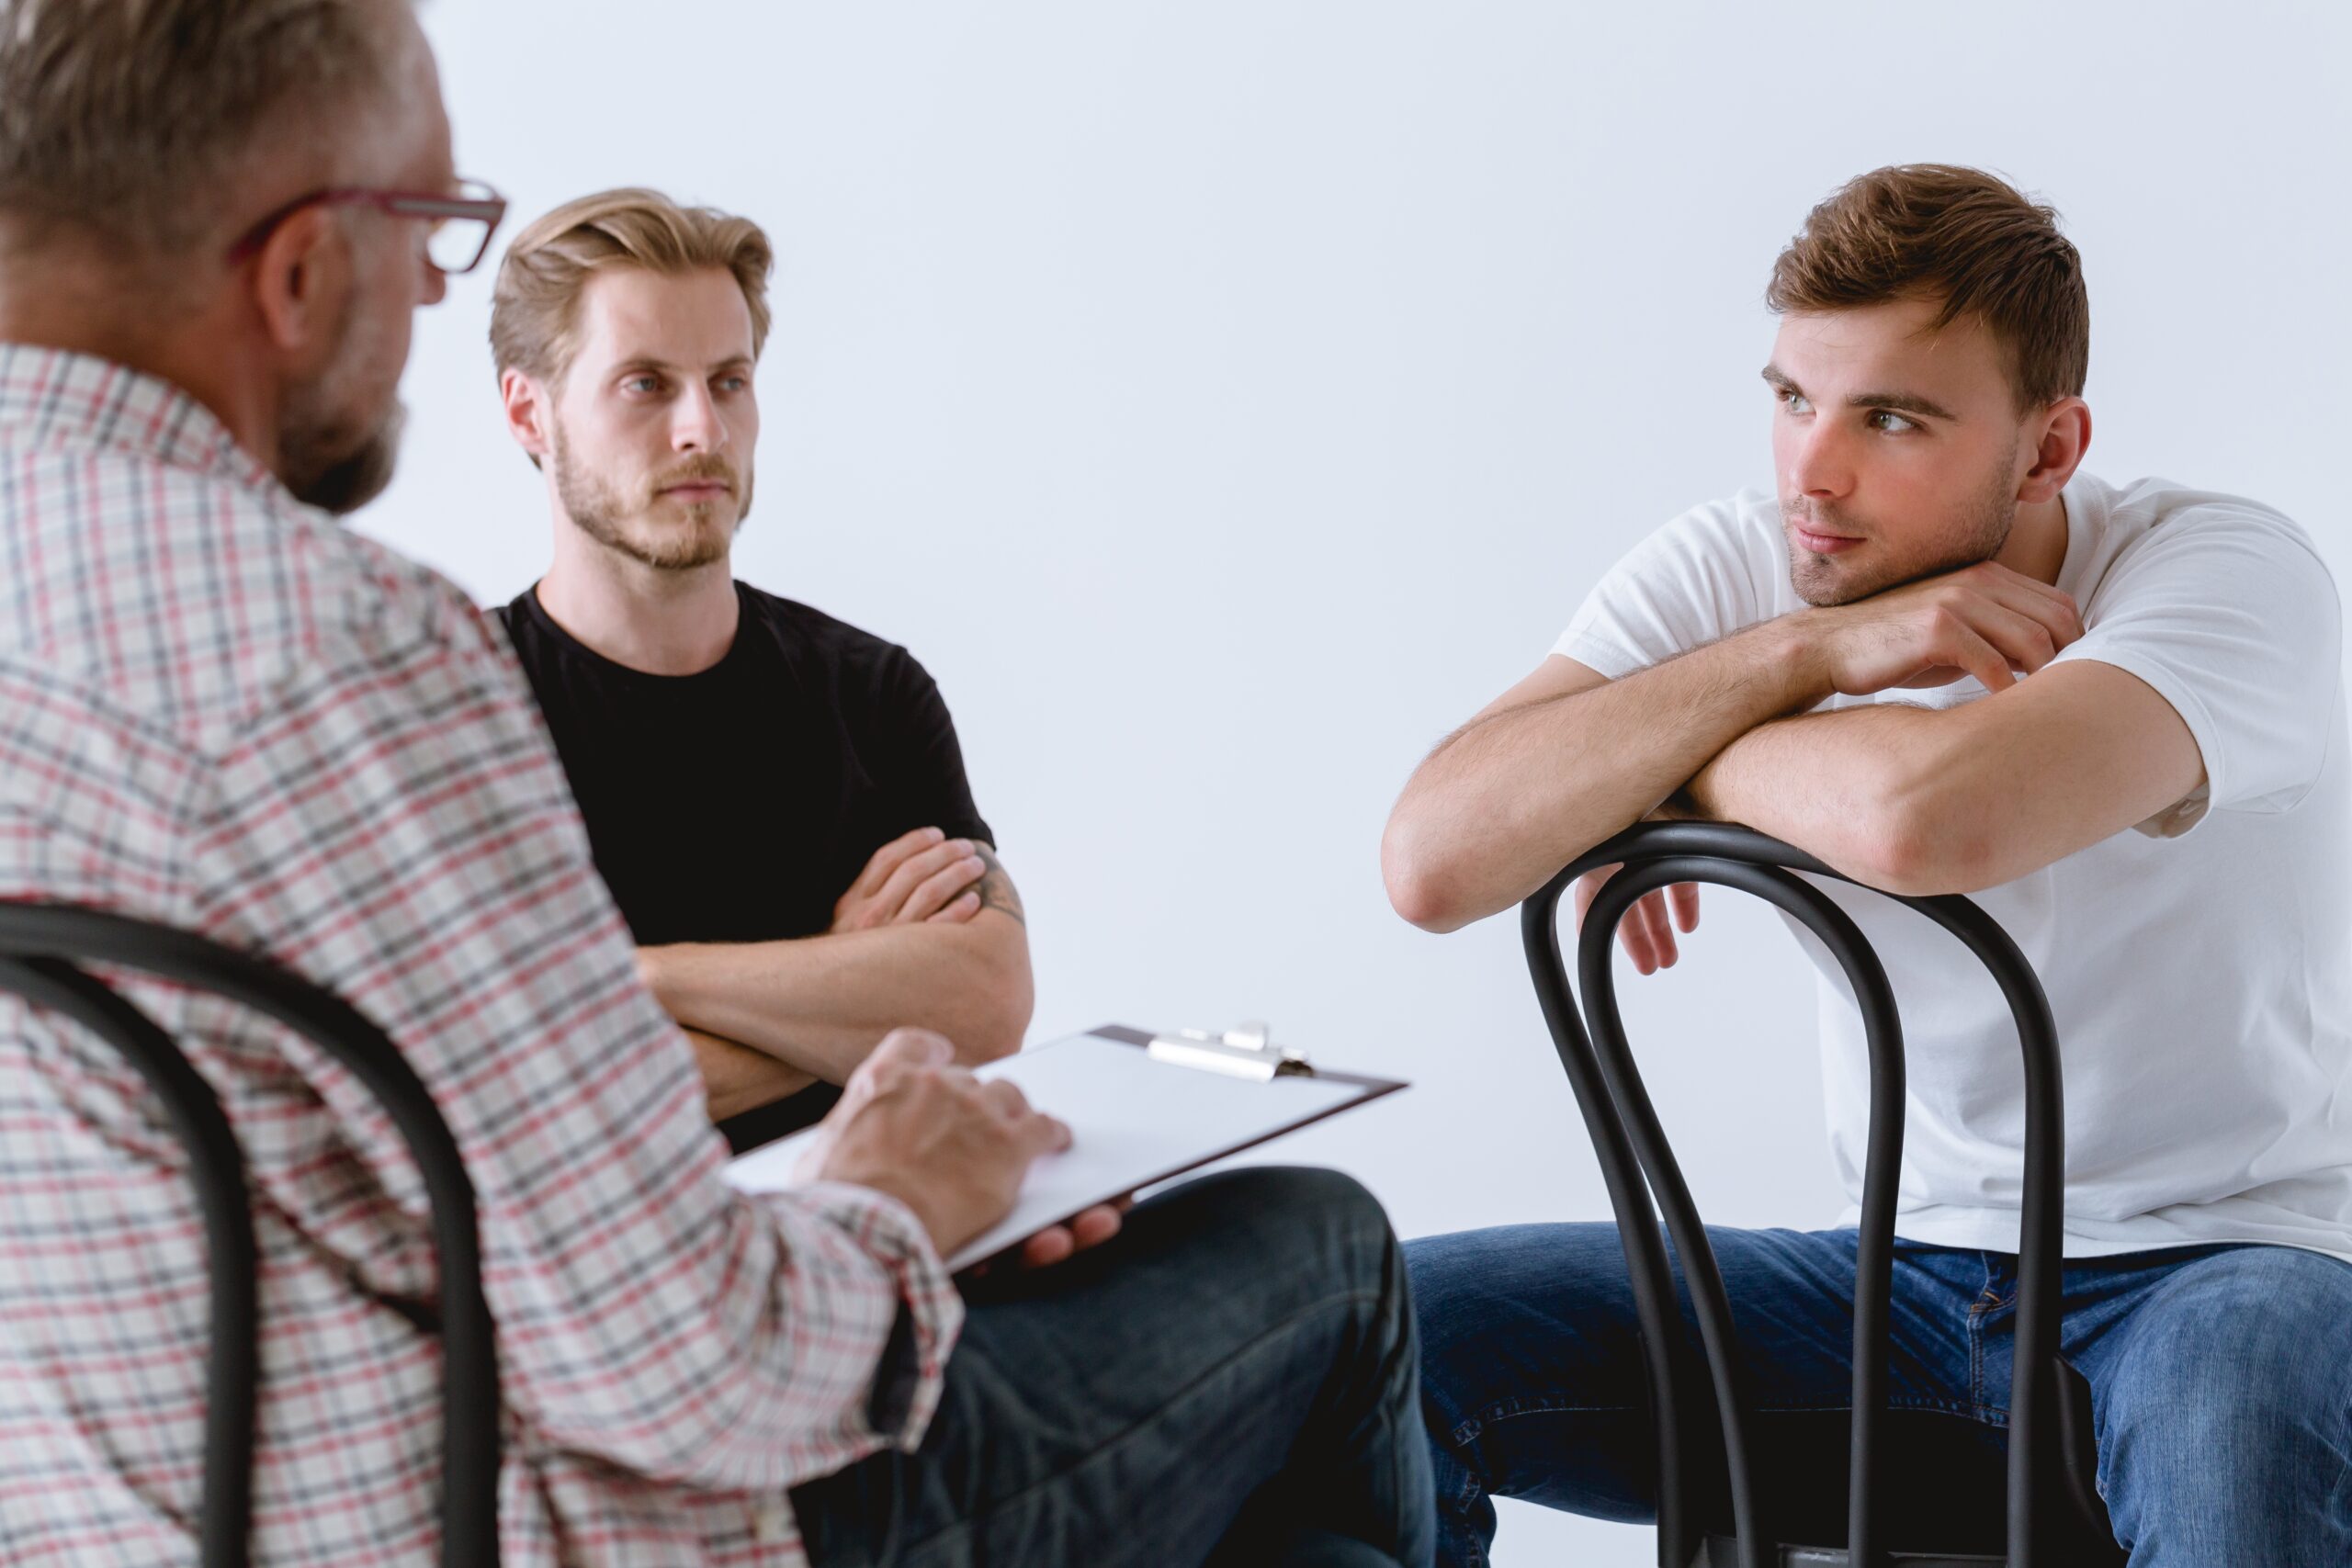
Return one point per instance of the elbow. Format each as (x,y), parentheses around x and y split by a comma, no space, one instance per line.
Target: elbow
(1420,886)
(1002,999)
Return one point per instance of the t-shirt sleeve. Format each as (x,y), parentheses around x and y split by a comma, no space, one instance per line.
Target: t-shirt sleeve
(919,762)
(1694,581)
(2233,619)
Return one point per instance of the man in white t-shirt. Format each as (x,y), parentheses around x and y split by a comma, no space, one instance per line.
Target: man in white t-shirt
(1944,660)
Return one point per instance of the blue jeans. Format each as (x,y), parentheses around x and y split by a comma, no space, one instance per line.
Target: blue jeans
(1232,1380)
(2220,1381)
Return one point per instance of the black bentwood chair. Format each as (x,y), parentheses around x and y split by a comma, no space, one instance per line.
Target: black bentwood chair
(42,950)
(1707,1465)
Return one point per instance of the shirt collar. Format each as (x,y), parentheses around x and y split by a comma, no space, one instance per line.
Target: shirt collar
(53,396)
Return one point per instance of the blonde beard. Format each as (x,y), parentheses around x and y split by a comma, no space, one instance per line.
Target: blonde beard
(596,508)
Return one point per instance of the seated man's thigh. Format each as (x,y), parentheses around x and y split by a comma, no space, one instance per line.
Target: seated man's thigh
(1536,1385)
(2224,1412)
(1124,1406)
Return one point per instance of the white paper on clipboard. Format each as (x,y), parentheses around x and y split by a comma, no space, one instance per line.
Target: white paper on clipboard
(1136,1120)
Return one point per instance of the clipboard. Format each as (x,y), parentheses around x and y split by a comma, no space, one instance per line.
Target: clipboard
(1142,1108)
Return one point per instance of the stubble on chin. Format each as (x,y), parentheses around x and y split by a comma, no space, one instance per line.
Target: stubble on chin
(327,468)
(598,509)
(1825,582)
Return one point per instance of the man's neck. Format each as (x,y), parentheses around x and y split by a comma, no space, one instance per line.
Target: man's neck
(2036,544)
(662,623)
(77,310)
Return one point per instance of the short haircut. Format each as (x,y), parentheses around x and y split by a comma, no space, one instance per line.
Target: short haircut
(1934,232)
(535,311)
(127,120)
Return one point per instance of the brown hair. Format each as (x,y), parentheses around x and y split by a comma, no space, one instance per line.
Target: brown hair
(535,311)
(1937,232)
(128,118)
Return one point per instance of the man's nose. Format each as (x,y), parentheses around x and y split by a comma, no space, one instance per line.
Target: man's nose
(1819,463)
(696,426)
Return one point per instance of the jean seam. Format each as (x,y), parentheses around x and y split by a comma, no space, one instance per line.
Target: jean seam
(1469,1429)
(966,1524)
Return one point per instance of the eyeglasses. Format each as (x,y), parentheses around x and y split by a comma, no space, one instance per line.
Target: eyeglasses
(462,221)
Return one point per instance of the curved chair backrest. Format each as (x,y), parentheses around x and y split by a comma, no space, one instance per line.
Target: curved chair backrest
(2047,1500)
(43,950)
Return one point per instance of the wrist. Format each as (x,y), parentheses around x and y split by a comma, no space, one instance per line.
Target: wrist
(1795,652)
(907,1195)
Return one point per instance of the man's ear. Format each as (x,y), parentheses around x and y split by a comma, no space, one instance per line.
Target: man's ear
(302,282)
(2060,434)
(531,413)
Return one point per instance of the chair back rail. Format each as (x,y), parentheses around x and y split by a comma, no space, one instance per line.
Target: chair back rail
(1639,1170)
(43,950)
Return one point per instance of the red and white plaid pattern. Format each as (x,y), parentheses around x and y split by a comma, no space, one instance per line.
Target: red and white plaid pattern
(222,711)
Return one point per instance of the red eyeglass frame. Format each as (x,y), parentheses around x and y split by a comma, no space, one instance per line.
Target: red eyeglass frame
(489,209)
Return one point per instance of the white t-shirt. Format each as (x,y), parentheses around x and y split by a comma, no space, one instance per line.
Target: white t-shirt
(2199,967)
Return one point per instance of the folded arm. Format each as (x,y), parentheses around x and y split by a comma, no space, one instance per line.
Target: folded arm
(1903,798)
(815,1007)
(1923,801)
(1566,759)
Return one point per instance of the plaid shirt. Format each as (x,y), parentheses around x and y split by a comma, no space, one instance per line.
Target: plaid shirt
(221,711)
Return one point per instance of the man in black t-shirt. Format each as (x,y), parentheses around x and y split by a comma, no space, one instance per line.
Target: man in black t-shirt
(776,798)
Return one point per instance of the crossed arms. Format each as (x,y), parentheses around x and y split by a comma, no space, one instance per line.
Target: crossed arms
(931,935)
(1912,800)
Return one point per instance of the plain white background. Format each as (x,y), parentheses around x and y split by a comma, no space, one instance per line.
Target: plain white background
(1225,397)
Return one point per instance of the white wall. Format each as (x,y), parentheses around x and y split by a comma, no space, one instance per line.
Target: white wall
(1225,397)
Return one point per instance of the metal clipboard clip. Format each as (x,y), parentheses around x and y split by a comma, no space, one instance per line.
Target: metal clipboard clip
(1245,1051)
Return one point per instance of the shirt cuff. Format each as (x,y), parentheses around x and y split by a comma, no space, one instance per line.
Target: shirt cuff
(909,1378)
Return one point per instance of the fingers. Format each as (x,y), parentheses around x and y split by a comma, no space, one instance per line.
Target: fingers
(1056,1243)
(1587,888)
(899,888)
(1034,1132)
(2053,616)
(888,858)
(912,1047)
(942,887)
(901,1050)
(2046,603)
(1655,920)
(1647,931)
(1047,1248)
(2024,642)
(958,909)
(1971,652)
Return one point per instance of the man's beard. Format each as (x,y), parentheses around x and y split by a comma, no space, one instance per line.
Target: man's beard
(329,456)
(599,509)
(329,463)
(1984,529)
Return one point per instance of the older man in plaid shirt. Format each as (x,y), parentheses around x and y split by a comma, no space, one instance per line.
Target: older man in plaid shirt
(219,710)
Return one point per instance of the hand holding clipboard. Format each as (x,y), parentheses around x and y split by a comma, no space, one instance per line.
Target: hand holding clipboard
(1142,1109)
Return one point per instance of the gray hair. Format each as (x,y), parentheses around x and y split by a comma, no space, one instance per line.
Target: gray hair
(134,120)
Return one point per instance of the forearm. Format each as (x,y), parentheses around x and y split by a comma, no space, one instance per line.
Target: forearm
(1516,794)
(737,1079)
(1882,792)
(820,1004)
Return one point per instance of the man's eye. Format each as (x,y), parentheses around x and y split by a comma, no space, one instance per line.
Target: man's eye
(642,384)
(1891,423)
(1793,402)
(733,383)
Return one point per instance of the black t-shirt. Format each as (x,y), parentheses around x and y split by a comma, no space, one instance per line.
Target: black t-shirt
(737,804)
